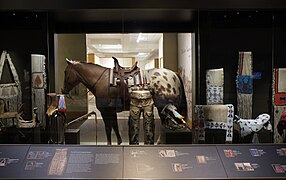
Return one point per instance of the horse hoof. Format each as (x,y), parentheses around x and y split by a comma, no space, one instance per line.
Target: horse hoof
(119,141)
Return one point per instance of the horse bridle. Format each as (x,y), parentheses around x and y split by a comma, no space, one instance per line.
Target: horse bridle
(93,86)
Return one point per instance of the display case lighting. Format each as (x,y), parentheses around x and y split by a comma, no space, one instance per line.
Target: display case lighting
(139,37)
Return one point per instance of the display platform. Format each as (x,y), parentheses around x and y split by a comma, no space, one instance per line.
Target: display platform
(261,161)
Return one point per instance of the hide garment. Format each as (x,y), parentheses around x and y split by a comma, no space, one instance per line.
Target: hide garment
(11,93)
(39,86)
(278,100)
(244,83)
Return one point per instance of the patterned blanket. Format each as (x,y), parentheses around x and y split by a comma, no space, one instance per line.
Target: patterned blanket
(214,82)
(214,117)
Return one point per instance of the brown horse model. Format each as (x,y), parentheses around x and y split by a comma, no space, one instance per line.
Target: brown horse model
(165,85)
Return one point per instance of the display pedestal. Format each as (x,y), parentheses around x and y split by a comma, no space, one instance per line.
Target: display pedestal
(215,136)
(178,137)
(72,136)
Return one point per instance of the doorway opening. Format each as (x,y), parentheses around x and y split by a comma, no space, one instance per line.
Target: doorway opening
(143,48)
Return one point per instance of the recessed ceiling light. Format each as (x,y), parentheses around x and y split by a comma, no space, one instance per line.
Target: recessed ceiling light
(107,46)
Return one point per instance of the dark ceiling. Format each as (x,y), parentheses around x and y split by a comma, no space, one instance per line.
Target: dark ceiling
(131,15)
(133,4)
(128,20)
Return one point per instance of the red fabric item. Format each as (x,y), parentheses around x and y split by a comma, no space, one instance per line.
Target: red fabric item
(280,99)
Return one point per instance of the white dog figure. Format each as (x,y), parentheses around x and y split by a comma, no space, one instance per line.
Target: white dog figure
(247,126)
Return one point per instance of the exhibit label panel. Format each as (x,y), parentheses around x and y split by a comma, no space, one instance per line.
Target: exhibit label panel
(254,160)
(11,159)
(57,162)
(172,162)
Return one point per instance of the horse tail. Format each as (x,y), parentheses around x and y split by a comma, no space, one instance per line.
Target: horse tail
(183,99)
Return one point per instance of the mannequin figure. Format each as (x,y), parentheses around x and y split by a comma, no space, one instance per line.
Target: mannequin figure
(141,102)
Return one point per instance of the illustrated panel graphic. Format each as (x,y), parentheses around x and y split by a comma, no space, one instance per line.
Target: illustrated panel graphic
(56,162)
(172,162)
(254,160)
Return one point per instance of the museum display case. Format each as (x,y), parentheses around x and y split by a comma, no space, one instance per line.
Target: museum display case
(220,61)
(232,40)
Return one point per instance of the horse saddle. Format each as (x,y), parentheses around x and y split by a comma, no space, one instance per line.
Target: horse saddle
(121,74)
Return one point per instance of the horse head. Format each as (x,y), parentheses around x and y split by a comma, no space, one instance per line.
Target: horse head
(71,78)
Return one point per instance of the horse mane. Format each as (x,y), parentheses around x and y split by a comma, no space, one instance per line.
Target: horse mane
(87,63)
(73,62)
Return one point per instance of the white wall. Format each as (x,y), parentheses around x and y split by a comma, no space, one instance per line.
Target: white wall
(96,59)
(149,65)
(65,48)
(185,59)
(109,62)
(170,51)
(161,64)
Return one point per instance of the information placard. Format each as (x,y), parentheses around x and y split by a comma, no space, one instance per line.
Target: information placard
(11,160)
(56,162)
(167,162)
(254,160)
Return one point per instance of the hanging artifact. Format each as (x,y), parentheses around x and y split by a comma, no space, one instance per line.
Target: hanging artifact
(279,87)
(244,83)
(62,104)
(55,119)
(11,93)
(278,99)
(214,81)
(39,86)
